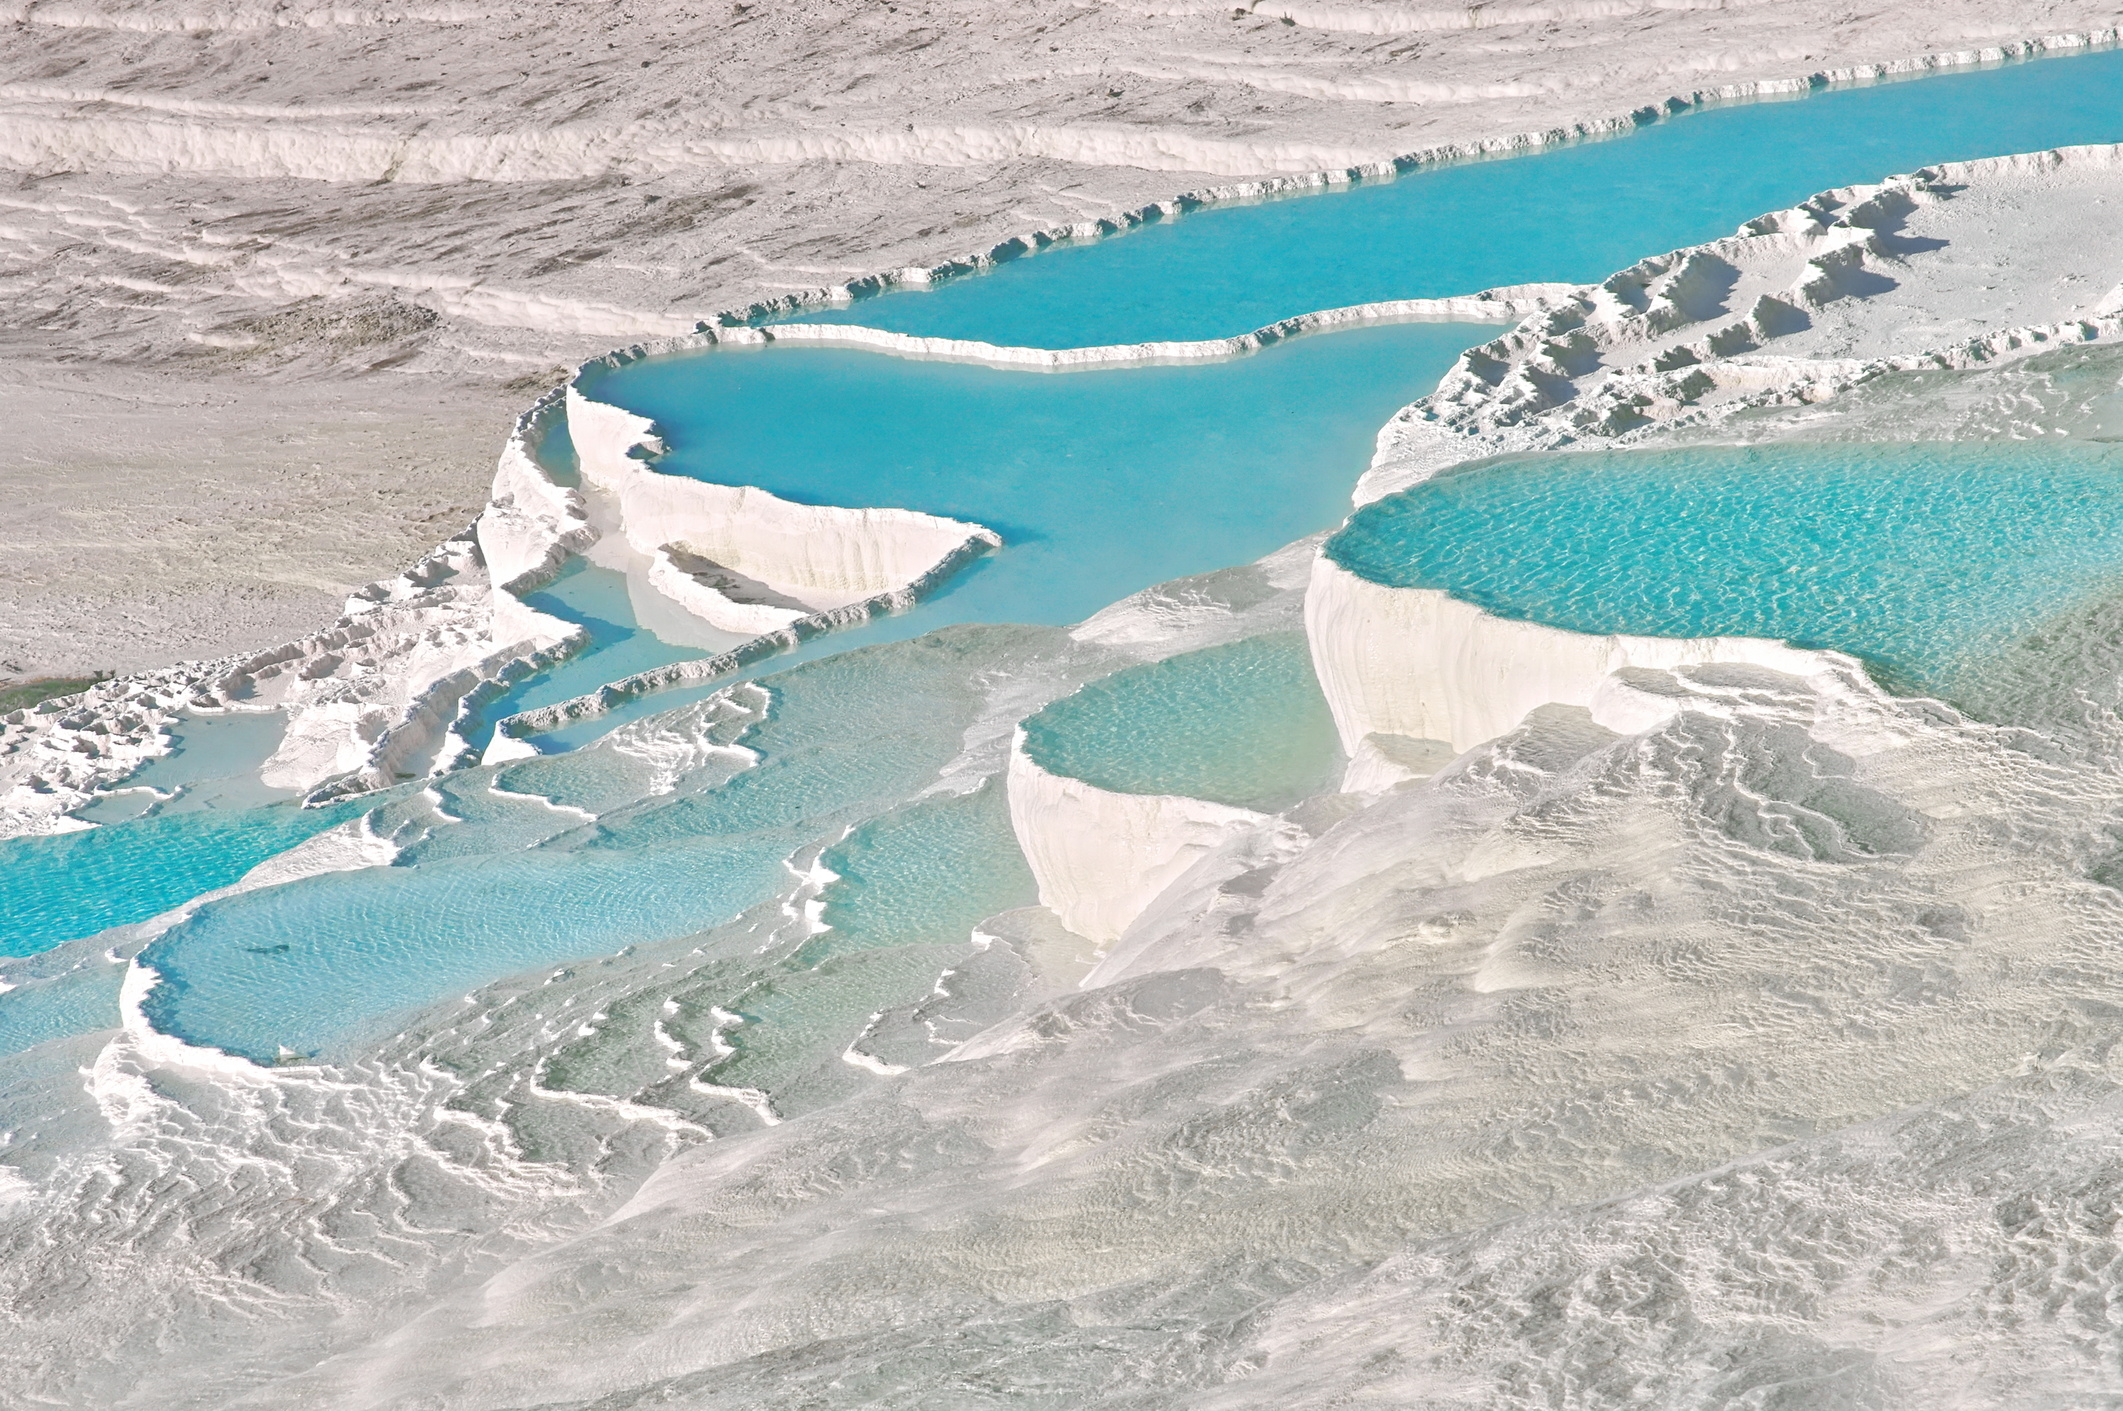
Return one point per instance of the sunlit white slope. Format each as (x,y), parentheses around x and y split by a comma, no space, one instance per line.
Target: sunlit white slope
(1579,973)
(1419,663)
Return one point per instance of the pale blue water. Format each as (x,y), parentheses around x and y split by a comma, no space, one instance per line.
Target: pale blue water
(1243,724)
(76,884)
(76,999)
(926,873)
(911,887)
(1577,213)
(300,965)
(1927,560)
(1100,483)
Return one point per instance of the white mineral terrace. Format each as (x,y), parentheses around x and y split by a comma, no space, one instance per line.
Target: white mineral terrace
(404,221)
(1420,664)
(1101,857)
(1939,269)
(1798,306)
(816,557)
(1708,1027)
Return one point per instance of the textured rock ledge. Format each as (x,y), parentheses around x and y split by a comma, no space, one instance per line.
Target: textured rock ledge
(748,563)
(1506,302)
(1796,307)
(373,698)
(1419,664)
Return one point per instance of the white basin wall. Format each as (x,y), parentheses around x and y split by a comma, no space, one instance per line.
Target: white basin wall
(1419,663)
(1100,857)
(527,530)
(822,555)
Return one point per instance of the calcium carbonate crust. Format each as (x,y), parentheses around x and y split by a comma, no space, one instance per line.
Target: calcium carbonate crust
(1102,857)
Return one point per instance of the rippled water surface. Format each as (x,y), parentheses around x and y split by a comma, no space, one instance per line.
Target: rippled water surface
(1928,560)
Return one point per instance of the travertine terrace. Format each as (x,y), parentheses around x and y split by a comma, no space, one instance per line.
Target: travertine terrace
(279,274)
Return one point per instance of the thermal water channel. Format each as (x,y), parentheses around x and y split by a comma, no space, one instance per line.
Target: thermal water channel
(1056,464)
(1080,472)
(1576,213)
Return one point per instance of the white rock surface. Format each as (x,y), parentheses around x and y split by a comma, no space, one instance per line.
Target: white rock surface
(1506,302)
(1940,269)
(1103,857)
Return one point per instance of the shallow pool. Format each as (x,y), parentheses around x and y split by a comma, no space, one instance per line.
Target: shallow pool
(1932,561)
(1243,724)
(55,889)
(587,853)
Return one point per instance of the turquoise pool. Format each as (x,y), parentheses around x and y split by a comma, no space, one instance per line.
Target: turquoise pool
(75,884)
(1100,483)
(1930,561)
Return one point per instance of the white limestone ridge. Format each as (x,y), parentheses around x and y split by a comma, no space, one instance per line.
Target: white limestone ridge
(764,572)
(815,557)
(1505,302)
(1797,306)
